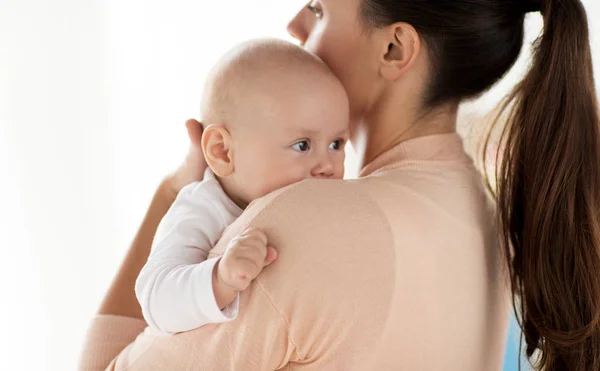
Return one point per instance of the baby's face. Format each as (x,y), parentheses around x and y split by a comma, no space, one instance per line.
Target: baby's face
(302,137)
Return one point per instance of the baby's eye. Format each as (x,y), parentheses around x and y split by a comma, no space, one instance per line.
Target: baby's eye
(337,144)
(316,11)
(301,146)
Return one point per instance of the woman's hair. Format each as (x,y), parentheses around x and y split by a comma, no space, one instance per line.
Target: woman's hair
(548,173)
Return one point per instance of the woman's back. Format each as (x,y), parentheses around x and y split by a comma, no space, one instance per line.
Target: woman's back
(399,270)
(451,300)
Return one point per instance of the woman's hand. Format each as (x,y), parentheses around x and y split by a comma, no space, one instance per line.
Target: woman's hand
(120,299)
(193,167)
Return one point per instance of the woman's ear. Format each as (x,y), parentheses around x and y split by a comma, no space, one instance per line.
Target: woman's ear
(402,48)
(216,144)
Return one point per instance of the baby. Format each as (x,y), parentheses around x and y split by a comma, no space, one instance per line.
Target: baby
(273,115)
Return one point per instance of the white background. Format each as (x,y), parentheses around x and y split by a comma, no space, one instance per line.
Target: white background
(93,97)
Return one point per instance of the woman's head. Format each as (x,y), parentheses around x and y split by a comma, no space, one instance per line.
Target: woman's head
(447,50)
(331,30)
(440,52)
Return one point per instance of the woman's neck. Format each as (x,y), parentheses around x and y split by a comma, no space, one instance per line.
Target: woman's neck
(386,128)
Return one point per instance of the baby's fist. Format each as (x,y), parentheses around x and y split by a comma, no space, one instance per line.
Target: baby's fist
(244,259)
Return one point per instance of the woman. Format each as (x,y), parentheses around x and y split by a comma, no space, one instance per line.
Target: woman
(400,269)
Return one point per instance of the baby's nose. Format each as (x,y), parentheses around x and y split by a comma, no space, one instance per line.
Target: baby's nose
(324,169)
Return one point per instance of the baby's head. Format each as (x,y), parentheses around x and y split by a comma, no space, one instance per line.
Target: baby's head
(273,115)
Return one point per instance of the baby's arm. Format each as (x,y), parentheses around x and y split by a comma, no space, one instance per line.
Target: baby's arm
(175,287)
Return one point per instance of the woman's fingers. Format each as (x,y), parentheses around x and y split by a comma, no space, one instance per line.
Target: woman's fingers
(193,167)
(194,129)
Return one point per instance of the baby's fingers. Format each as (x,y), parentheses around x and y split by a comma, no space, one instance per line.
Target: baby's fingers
(245,271)
(271,256)
(253,236)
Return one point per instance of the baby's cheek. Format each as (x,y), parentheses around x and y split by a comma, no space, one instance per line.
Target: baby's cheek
(280,180)
(273,185)
(338,172)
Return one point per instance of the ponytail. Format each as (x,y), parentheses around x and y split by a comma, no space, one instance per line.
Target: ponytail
(548,193)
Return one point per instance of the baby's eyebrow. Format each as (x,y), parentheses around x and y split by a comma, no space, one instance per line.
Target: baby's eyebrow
(304,131)
(311,132)
(343,132)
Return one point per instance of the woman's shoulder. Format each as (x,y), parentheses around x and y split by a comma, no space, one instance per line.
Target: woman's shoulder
(310,207)
(314,198)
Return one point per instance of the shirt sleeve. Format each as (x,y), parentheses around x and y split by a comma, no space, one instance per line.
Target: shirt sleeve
(106,337)
(175,286)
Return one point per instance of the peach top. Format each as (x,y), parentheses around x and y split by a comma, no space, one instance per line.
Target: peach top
(397,270)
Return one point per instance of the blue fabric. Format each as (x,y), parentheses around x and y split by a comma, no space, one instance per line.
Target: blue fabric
(511,359)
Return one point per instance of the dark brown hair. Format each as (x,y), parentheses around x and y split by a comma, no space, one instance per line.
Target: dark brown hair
(548,165)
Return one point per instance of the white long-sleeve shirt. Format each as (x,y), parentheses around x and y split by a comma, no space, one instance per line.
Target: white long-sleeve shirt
(175,286)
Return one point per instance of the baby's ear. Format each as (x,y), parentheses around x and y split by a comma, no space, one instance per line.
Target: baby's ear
(216,145)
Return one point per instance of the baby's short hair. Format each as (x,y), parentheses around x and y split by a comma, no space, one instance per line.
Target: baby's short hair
(253,70)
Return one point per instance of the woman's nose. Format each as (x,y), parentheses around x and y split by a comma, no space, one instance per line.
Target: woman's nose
(297,27)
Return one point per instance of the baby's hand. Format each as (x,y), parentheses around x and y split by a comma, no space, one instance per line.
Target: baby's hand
(244,259)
